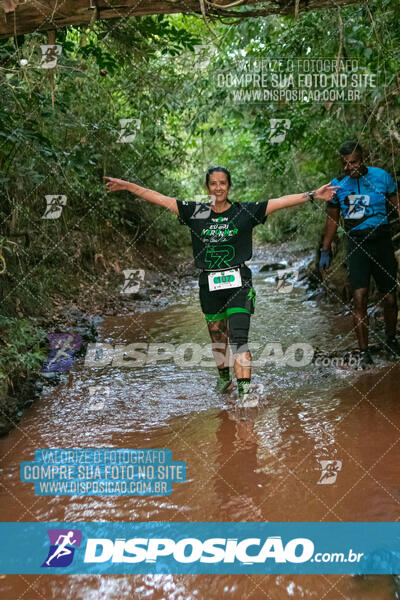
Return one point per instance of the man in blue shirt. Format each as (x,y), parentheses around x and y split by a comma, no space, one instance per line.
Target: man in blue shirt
(363,201)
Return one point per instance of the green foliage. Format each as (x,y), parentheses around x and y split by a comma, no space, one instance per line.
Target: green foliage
(20,350)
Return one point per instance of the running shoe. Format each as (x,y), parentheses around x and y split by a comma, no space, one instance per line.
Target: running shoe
(223,385)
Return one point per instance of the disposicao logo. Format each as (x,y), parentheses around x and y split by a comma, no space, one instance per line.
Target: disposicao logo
(191,550)
(193,554)
(62,547)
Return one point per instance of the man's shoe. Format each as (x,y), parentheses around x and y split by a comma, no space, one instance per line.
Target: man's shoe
(223,385)
(392,347)
(365,359)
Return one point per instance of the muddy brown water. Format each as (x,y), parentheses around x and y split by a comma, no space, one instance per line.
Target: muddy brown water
(263,466)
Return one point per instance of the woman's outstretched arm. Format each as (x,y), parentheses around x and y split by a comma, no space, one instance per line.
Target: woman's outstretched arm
(116,185)
(326,192)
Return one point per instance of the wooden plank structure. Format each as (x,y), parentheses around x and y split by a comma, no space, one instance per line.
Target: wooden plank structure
(26,16)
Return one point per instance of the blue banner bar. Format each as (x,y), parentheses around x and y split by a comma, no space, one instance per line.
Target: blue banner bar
(192,548)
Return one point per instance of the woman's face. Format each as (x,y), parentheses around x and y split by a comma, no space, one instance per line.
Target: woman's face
(218,186)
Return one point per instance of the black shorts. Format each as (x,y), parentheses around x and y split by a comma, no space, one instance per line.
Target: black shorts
(374,257)
(223,303)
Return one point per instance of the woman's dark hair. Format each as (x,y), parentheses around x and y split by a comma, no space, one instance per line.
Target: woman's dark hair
(218,169)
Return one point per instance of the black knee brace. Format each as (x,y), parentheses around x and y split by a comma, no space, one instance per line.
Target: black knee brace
(238,331)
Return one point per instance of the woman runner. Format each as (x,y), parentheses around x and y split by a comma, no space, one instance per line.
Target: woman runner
(221,232)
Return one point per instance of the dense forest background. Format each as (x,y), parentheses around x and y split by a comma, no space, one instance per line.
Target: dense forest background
(59,132)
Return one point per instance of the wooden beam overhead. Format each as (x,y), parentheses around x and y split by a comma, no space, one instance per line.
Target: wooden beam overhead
(27,16)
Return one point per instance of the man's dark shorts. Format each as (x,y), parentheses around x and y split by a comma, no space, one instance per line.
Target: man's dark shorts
(374,256)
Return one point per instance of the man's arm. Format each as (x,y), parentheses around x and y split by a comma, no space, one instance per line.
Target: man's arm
(394,200)
(331,225)
(116,185)
(326,192)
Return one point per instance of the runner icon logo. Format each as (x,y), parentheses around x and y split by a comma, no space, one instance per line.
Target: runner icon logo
(330,470)
(357,206)
(203,203)
(283,283)
(129,130)
(133,280)
(62,351)
(62,547)
(54,206)
(50,54)
(278,131)
(96,396)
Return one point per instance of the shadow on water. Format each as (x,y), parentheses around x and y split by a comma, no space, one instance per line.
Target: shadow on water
(261,465)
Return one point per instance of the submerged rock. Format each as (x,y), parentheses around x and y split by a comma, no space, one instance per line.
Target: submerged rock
(273,267)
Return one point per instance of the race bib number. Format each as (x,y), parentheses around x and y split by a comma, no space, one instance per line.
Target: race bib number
(223,280)
(357,206)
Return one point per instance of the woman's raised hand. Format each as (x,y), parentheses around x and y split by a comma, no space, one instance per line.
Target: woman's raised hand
(116,185)
(326,192)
